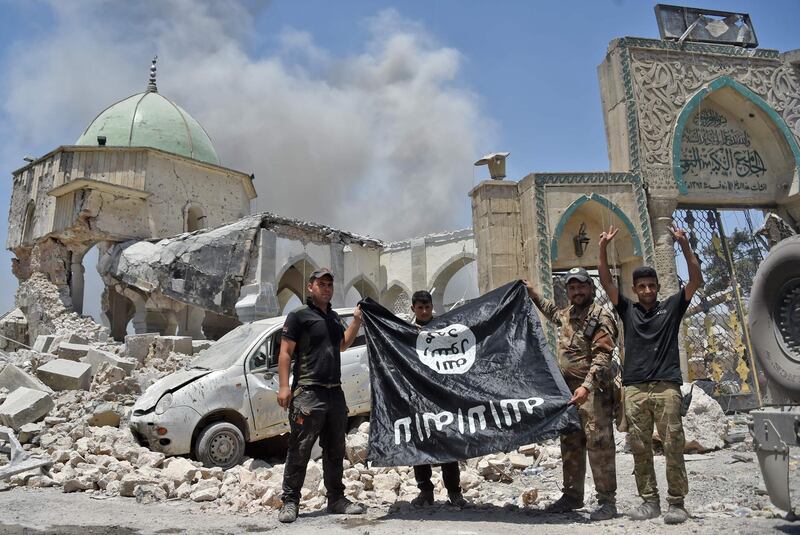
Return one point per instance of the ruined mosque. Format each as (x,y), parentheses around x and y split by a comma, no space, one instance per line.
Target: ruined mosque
(700,118)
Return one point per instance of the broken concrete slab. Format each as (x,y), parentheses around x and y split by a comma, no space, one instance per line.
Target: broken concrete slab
(44,342)
(164,345)
(105,414)
(23,406)
(14,328)
(63,374)
(12,378)
(96,357)
(71,351)
(137,346)
(28,431)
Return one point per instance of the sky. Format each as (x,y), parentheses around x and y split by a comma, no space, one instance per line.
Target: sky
(365,115)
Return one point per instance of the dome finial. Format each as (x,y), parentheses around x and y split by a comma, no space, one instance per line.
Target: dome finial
(151,85)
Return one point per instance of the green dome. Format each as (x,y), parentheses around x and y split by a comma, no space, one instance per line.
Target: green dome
(151,120)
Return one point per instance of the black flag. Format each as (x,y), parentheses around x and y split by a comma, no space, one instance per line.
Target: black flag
(476,380)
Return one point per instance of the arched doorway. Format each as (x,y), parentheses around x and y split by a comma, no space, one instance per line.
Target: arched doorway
(454,282)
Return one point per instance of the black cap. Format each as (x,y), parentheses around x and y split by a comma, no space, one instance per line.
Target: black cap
(577,273)
(318,274)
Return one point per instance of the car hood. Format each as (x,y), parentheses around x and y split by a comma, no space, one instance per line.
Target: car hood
(170,383)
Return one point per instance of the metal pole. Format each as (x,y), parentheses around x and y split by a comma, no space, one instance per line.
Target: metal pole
(737,297)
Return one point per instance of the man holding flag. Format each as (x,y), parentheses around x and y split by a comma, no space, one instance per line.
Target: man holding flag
(422,307)
(587,334)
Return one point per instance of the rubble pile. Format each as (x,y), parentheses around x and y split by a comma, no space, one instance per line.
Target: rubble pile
(71,397)
(41,302)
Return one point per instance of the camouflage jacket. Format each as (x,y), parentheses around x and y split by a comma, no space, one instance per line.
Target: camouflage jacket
(579,357)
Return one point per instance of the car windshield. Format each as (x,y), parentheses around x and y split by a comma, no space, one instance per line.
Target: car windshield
(225,351)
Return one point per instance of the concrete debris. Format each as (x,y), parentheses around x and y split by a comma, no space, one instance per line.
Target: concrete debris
(24,406)
(72,351)
(20,461)
(105,414)
(11,378)
(205,268)
(96,357)
(14,330)
(356,444)
(137,346)
(704,425)
(164,345)
(62,374)
(43,305)
(43,343)
(28,431)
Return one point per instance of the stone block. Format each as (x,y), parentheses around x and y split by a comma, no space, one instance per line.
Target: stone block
(28,431)
(43,343)
(106,414)
(137,346)
(63,374)
(180,470)
(12,378)
(23,406)
(174,344)
(96,357)
(71,351)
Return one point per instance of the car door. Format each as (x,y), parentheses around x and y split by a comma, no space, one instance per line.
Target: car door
(261,370)
(355,373)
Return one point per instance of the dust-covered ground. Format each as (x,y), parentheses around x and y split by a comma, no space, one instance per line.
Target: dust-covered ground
(726,496)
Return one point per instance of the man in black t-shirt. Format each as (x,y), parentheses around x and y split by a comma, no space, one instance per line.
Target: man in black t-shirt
(314,337)
(652,376)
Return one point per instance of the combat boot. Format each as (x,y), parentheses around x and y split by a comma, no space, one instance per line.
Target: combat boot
(456,498)
(343,506)
(676,514)
(564,504)
(425,497)
(288,512)
(606,511)
(645,511)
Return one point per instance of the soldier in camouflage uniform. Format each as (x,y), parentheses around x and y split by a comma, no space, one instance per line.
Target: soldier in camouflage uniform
(587,337)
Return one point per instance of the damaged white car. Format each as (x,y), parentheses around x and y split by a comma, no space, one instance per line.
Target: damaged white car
(227,396)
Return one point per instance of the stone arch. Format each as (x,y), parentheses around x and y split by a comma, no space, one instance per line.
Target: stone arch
(396,291)
(28,222)
(443,275)
(721,83)
(363,286)
(195,218)
(605,203)
(293,276)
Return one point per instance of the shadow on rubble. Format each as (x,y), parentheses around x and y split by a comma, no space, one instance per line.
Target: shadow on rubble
(792,529)
(442,512)
(272,450)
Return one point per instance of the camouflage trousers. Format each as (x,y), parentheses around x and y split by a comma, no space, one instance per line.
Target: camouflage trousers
(656,404)
(597,439)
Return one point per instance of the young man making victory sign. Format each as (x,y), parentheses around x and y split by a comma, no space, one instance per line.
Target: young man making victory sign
(652,376)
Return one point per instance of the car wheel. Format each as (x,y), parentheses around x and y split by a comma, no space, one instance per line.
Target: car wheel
(220,444)
(774,316)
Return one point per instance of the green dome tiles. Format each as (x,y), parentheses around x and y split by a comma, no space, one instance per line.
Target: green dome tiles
(151,120)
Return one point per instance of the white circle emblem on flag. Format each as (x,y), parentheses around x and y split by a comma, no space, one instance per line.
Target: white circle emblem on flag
(449,350)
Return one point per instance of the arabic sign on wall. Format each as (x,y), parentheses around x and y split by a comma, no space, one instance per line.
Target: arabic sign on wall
(718,156)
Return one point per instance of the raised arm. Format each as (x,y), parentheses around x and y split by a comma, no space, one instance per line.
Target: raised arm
(605,274)
(547,307)
(695,275)
(352,330)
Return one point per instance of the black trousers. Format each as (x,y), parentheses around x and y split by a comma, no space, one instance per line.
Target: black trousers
(316,412)
(451,475)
